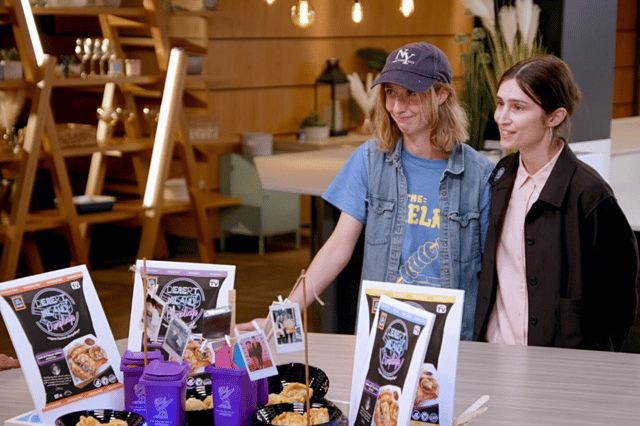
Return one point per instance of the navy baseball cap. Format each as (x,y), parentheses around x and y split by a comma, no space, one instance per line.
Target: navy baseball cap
(416,67)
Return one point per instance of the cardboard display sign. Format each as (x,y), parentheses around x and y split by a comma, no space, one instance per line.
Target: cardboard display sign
(187,290)
(63,341)
(434,398)
(384,389)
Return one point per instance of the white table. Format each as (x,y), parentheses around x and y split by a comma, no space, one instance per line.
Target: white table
(290,145)
(307,172)
(625,172)
(527,385)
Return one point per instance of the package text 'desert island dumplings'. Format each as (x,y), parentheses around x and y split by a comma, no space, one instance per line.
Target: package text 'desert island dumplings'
(433,401)
(63,341)
(186,291)
(384,391)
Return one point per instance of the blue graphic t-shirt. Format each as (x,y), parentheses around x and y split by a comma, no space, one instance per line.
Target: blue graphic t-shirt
(419,261)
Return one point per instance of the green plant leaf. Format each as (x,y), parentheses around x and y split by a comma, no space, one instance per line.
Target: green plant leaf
(374,57)
(312,120)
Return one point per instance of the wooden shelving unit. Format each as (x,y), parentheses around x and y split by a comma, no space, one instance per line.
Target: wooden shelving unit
(42,147)
(101,81)
(12,84)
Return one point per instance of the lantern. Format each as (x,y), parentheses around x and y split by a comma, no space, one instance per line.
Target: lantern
(332,98)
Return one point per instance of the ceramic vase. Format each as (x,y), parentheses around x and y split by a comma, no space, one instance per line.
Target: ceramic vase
(12,70)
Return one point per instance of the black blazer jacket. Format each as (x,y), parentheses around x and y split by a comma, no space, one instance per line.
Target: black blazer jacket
(581,258)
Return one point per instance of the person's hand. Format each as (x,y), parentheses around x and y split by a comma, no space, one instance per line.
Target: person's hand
(7,362)
(248,326)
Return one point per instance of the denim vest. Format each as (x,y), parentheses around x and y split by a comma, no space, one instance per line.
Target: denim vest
(462,236)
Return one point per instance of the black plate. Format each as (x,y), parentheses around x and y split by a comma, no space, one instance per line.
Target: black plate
(200,392)
(91,203)
(264,415)
(294,373)
(103,416)
(200,417)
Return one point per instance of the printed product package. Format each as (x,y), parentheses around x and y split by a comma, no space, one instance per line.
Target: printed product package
(384,392)
(434,397)
(188,290)
(63,341)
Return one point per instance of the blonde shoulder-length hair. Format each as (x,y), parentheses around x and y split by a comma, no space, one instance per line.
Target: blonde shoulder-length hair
(448,121)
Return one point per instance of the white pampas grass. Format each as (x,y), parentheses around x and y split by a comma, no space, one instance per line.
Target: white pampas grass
(509,25)
(485,10)
(528,20)
(365,97)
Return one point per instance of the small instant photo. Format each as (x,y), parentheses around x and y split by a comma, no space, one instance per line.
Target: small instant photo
(256,354)
(152,285)
(177,338)
(287,327)
(216,323)
(152,314)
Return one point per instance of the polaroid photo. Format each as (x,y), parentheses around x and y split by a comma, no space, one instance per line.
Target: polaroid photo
(152,285)
(216,323)
(153,313)
(287,327)
(177,338)
(256,354)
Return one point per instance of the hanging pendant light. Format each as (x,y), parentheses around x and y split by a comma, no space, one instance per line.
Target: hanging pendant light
(270,1)
(356,12)
(406,7)
(302,14)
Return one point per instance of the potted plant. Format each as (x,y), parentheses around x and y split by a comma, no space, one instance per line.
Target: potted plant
(506,35)
(312,128)
(11,64)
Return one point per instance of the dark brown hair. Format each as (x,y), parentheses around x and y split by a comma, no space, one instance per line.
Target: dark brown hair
(547,80)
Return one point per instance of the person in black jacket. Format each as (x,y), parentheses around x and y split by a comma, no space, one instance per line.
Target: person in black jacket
(561,261)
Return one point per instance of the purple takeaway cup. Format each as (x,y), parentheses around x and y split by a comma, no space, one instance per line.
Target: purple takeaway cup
(165,386)
(132,366)
(235,396)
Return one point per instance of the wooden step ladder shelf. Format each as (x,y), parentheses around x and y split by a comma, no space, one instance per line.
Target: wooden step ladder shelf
(101,81)
(89,11)
(42,147)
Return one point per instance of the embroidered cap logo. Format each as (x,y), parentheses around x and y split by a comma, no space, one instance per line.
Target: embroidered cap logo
(404,57)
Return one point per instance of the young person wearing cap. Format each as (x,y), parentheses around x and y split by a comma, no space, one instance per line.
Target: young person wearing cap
(420,193)
(561,260)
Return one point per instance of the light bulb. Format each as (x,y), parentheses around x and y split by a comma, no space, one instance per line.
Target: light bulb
(406,7)
(356,12)
(303,14)
(270,1)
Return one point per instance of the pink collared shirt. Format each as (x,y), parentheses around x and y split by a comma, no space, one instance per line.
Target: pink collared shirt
(509,320)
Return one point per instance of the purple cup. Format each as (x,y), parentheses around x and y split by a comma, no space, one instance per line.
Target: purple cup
(235,396)
(132,366)
(165,386)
